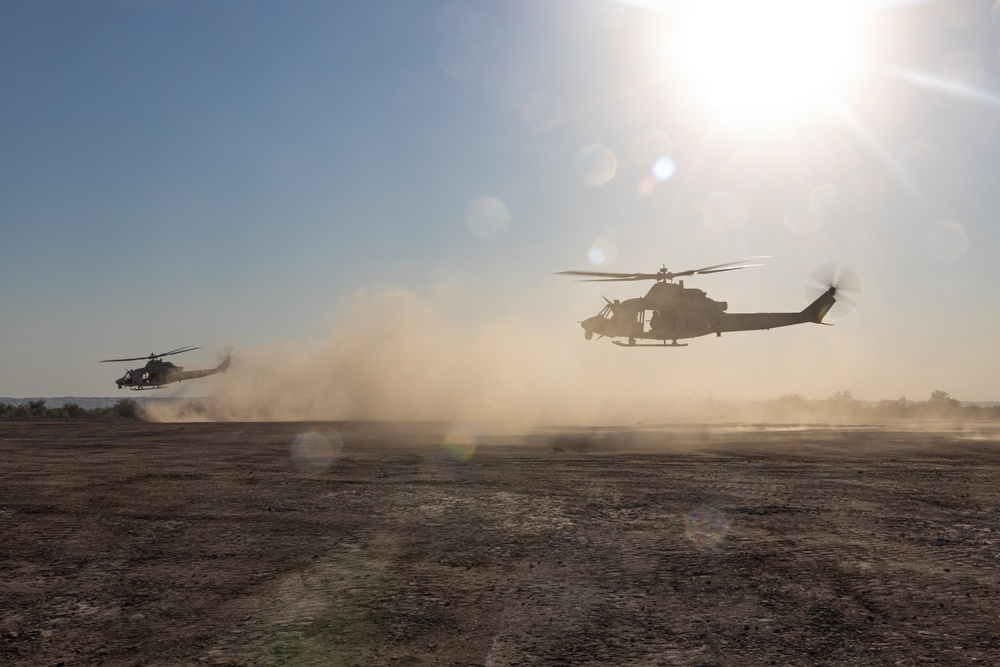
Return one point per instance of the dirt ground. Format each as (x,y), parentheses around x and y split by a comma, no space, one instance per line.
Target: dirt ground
(396,544)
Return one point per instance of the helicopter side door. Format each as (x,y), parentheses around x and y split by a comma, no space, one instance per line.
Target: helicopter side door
(663,321)
(630,320)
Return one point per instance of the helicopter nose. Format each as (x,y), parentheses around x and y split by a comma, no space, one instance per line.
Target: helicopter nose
(592,325)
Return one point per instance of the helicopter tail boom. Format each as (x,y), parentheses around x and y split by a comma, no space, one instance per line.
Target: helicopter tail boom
(817,310)
(192,375)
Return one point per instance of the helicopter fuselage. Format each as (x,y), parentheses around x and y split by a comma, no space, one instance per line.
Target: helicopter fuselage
(156,374)
(676,312)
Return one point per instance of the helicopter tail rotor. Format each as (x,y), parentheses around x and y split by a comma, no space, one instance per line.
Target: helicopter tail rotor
(841,282)
(225,359)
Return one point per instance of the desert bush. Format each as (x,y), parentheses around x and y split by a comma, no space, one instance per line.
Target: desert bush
(123,409)
(127,408)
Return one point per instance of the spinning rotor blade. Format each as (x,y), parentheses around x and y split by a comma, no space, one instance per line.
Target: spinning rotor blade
(662,274)
(154,356)
(104,361)
(844,281)
(719,268)
(632,277)
(699,272)
(624,276)
(177,351)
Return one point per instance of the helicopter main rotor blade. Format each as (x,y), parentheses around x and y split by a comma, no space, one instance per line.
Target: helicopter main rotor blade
(662,274)
(153,356)
(719,268)
(604,274)
(104,361)
(633,278)
(177,351)
(700,272)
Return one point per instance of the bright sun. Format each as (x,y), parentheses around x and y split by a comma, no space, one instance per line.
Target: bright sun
(768,59)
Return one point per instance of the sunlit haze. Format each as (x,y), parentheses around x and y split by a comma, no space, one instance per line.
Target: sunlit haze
(769,58)
(367,201)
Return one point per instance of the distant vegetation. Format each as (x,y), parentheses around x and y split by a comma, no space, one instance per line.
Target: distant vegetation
(842,406)
(123,409)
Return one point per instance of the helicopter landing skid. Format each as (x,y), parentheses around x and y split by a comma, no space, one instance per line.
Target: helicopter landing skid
(663,344)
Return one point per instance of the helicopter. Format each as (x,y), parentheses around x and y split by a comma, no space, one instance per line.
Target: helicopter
(679,312)
(158,373)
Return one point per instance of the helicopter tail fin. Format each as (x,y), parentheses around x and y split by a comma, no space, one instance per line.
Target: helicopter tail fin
(224,366)
(817,310)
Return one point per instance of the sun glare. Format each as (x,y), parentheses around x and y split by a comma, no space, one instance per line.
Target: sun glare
(769,58)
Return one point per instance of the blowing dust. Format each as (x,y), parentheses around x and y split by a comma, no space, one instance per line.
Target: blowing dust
(393,357)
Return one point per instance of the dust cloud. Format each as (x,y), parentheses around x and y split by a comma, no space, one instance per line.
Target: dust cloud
(393,357)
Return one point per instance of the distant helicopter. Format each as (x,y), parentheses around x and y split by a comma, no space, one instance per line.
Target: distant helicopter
(157,373)
(679,312)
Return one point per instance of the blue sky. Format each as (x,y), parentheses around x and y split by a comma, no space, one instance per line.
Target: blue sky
(232,173)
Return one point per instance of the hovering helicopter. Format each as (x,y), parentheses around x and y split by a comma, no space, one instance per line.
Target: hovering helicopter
(679,312)
(157,373)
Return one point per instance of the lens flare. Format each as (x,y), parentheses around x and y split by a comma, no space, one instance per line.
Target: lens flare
(649,145)
(596,164)
(706,526)
(722,211)
(947,241)
(750,168)
(701,240)
(958,12)
(664,169)
(801,222)
(339,589)
(507,88)
(646,186)
(315,451)
(602,251)
(461,442)
(867,187)
(826,202)
(543,111)
(627,111)
(487,218)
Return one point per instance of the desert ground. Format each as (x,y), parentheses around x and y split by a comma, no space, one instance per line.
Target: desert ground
(131,543)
